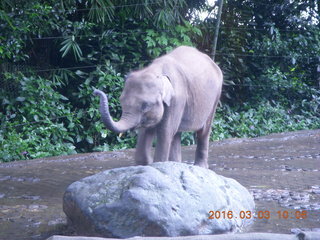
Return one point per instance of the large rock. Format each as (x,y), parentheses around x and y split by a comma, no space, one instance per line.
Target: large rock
(162,199)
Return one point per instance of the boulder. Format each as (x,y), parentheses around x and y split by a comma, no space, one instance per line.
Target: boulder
(161,199)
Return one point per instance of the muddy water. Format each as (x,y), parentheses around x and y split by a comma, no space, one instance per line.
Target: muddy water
(282,171)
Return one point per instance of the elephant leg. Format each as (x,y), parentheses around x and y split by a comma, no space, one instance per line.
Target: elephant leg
(144,145)
(162,148)
(201,158)
(167,133)
(203,135)
(175,151)
(163,145)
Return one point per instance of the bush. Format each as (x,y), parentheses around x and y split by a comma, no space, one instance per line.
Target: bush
(92,135)
(265,118)
(36,121)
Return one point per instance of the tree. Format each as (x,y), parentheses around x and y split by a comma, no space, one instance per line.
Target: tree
(258,36)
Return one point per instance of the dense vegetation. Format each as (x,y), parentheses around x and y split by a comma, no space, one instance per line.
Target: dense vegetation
(53,53)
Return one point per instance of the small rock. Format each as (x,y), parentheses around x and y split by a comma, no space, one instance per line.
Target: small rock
(34,198)
(316,191)
(5,178)
(285,195)
(305,207)
(57,222)
(296,230)
(287,168)
(296,197)
(37,208)
(315,206)
(296,207)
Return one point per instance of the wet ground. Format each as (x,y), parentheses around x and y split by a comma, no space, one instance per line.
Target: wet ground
(282,171)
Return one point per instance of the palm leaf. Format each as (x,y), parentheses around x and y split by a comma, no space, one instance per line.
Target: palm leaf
(101,10)
(70,44)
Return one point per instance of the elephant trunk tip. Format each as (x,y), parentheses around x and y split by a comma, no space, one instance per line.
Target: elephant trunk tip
(97,92)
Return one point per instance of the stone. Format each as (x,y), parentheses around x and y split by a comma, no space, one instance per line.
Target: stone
(161,199)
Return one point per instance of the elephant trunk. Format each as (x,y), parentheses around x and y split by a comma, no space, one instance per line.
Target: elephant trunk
(124,124)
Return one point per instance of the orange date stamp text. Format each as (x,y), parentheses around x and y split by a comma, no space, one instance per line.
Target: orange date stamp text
(258,215)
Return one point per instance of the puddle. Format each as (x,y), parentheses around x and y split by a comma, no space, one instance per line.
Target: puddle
(280,170)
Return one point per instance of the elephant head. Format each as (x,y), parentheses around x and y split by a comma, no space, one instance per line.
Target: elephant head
(142,102)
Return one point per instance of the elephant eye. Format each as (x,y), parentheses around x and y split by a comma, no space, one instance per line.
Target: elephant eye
(146,106)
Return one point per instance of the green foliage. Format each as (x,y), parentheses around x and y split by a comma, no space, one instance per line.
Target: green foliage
(32,126)
(18,27)
(70,44)
(187,138)
(101,10)
(268,52)
(260,36)
(159,42)
(93,136)
(35,142)
(63,34)
(265,118)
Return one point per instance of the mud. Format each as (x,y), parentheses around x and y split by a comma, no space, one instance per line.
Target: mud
(281,171)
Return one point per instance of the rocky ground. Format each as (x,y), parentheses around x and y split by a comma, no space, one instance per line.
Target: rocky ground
(280,170)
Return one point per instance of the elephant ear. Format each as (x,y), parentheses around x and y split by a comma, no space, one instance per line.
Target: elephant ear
(167,90)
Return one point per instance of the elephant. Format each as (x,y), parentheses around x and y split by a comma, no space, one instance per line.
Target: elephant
(177,92)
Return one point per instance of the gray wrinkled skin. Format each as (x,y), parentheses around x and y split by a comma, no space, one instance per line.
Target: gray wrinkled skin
(162,199)
(177,92)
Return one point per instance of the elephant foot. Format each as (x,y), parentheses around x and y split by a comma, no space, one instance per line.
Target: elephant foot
(202,164)
(144,160)
(144,163)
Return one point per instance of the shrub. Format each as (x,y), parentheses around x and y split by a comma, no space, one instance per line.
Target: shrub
(36,121)
(265,118)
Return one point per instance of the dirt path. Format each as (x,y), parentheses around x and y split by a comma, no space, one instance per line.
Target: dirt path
(282,171)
